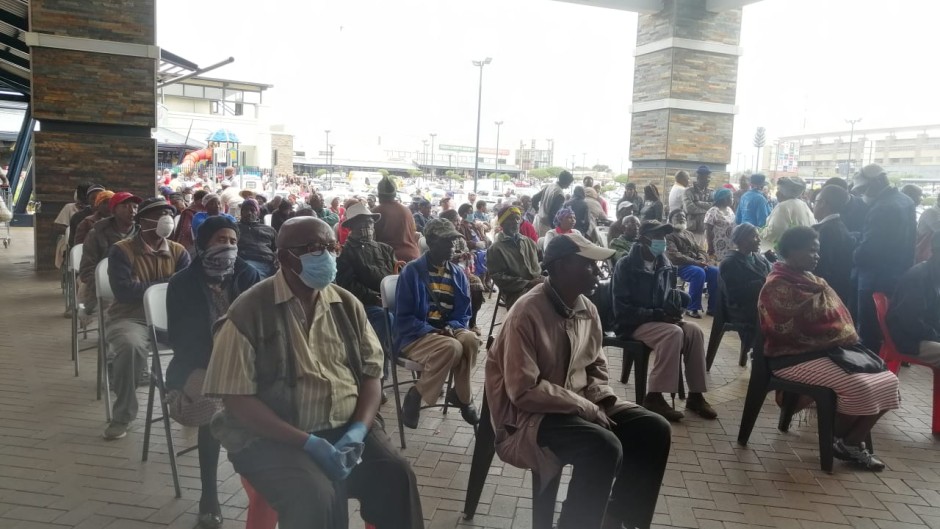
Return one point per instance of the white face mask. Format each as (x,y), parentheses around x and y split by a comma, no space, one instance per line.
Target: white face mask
(164,227)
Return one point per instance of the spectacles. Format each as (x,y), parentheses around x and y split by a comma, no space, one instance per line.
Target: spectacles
(316,249)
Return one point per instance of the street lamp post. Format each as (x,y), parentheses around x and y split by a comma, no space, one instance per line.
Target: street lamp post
(433,135)
(327,155)
(424,152)
(852,122)
(330,152)
(476,158)
(496,171)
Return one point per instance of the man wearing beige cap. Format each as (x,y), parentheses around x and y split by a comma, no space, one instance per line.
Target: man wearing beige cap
(551,404)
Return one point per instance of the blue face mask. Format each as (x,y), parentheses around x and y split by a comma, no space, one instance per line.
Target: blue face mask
(658,246)
(318,271)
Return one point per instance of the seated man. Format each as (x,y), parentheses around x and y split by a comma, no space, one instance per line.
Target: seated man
(297,366)
(256,239)
(914,314)
(423,215)
(646,308)
(743,274)
(513,260)
(683,251)
(622,244)
(119,226)
(551,404)
(133,266)
(363,264)
(432,310)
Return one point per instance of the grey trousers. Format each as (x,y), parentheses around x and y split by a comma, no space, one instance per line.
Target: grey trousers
(129,346)
(668,341)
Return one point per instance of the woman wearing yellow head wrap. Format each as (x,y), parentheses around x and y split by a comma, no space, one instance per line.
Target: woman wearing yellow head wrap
(101,212)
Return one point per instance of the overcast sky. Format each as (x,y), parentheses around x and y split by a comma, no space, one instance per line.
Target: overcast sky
(402,69)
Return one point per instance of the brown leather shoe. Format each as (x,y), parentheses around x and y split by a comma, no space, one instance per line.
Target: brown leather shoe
(655,403)
(698,405)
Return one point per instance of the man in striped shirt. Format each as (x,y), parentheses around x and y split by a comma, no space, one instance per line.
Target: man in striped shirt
(432,311)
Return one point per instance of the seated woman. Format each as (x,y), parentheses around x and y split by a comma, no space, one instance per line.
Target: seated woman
(564,223)
(196,297)
(743,273)
(800,314)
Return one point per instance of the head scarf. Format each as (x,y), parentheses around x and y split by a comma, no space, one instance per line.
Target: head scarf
(251,204)
(562,213)
(742,231)
(103,196)
(791,187)
(722,194)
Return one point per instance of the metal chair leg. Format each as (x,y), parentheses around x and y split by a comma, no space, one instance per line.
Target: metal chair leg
(395,387)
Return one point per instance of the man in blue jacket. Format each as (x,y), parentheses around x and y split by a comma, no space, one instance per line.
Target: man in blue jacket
(886,248)
(432,310)
(754,207)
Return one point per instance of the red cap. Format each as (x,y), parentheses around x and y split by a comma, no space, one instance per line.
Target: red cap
(120,198)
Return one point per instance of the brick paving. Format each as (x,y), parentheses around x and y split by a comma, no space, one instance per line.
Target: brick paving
(57,472)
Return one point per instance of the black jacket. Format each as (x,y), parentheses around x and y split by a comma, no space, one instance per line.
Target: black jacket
(189,325)
(886,248)
(836,246)
(639,295)
(741,282)
(914,314)
(361,267)
(582,214)
(256,242)
(652,210)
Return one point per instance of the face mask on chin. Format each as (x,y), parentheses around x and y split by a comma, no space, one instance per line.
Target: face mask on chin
(680,226)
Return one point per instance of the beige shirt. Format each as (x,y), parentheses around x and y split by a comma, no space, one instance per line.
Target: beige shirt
(326,391)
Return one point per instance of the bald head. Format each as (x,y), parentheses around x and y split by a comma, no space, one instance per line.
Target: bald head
(304,231)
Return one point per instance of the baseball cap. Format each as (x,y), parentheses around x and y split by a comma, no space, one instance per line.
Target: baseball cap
(154,203)
(574,244)
(122,197)
(654,227)
(440,229)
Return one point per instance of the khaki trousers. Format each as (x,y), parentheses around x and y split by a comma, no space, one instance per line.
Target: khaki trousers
(441,355)
(668,342)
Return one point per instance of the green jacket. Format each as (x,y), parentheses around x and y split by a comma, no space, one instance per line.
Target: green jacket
(513,264)
(621,246)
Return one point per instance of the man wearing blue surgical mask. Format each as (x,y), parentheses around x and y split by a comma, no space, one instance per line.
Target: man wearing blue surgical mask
(886,247)
(298,368)
(648,308)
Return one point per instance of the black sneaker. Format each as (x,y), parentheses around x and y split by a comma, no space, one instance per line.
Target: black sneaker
(467,411)
(411,408)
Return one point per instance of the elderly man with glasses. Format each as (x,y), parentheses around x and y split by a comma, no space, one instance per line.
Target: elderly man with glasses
(298,368)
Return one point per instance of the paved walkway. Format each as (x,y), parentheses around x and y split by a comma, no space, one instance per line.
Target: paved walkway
(57,472)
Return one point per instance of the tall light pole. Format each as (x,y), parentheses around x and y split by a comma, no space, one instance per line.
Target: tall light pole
(424,151)
(476,157)
(327,155)
(852,122)
(433,135)
(496,171)
(330,152)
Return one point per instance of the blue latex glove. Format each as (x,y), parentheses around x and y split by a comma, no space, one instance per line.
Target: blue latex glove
(330,460)
(356,433)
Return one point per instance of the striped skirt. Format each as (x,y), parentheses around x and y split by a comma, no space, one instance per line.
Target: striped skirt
(857,393)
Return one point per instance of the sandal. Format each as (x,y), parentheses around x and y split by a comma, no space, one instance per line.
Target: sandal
(209,520)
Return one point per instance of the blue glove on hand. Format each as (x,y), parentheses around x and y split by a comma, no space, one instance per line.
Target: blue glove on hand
(356,433)
(330,460)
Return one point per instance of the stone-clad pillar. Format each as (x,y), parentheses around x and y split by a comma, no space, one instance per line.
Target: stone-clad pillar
(684,91)
(94,66)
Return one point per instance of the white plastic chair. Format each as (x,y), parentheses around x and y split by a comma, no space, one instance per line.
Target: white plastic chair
(72,265)
(105,296)
(155,312)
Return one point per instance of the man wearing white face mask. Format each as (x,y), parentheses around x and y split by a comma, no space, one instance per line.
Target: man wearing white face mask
(133,266)
(297,366)
(648,308)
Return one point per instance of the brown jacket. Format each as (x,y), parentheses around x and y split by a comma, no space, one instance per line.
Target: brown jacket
(545,362)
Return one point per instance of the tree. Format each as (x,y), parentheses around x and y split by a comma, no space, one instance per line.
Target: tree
(621,178)
(505,177)
(760,138)
(321,172)
(383,172)
(600,168)
(415,173)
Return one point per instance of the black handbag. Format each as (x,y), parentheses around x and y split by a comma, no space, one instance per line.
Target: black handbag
(676,301)
(856,359)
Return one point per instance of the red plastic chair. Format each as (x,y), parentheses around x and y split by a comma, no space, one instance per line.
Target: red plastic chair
(260,514)
(889,353)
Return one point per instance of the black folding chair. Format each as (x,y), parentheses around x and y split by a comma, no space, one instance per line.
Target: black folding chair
(722,324)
